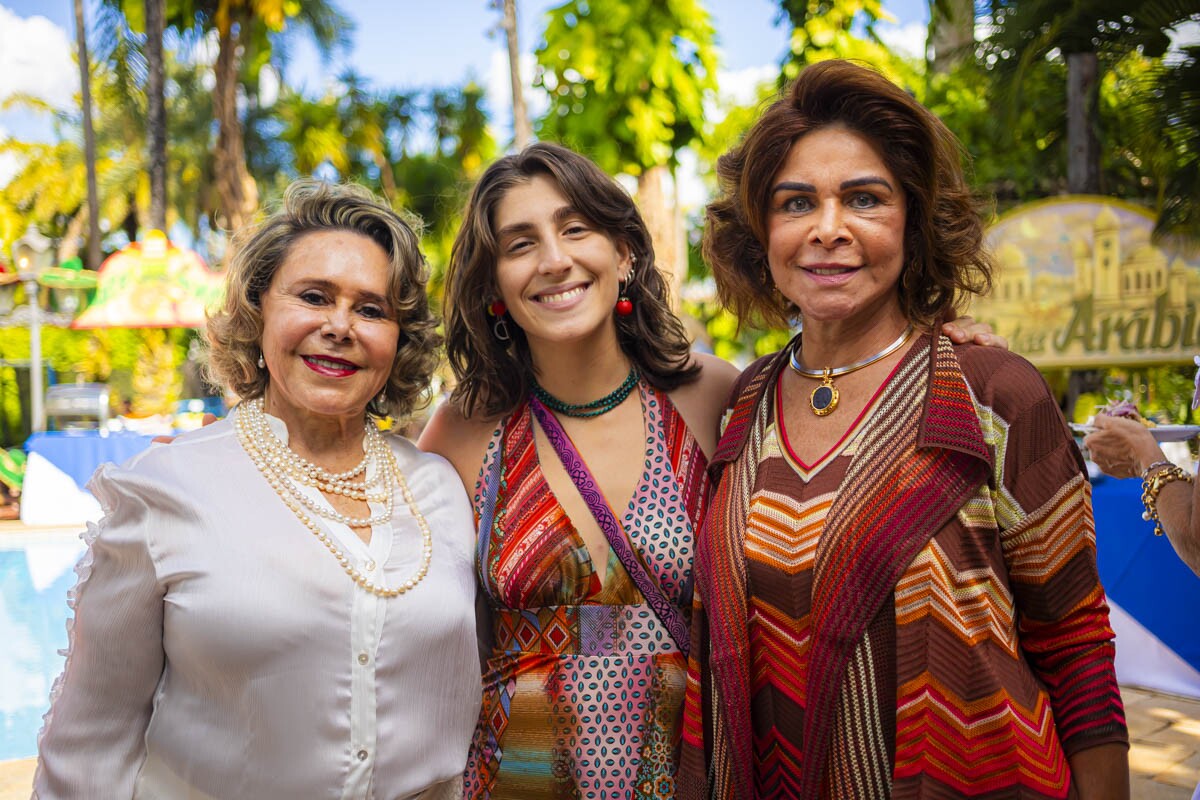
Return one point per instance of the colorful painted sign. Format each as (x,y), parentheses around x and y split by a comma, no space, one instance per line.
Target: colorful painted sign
(1080,284)
(152,284)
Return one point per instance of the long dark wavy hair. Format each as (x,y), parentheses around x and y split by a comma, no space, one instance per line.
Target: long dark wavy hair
(494,375)
(944,259)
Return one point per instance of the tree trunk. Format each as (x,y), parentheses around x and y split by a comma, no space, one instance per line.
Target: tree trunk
(156,124)
(89,141)
(387,178)
(951,33)
(522,129)
(659,212)
(236,190)
(1083,149)
(68,246)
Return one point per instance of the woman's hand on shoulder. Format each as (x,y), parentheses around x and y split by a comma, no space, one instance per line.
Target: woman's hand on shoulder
(967,329)
(702,402)
(459,439)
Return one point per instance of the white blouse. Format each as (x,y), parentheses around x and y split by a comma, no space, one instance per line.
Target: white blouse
(219,650)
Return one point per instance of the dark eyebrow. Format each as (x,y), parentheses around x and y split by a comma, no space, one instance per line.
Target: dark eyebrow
(560,215)
(329,286)
(868,180)
(565,213)
(512,230)
(792,186)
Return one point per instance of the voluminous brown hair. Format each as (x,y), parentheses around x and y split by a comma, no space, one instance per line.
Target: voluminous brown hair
(309,206)
(944,258)
(494,375)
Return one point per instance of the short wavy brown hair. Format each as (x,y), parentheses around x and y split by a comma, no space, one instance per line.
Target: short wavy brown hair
(944,259)
(493,375)
(235,330)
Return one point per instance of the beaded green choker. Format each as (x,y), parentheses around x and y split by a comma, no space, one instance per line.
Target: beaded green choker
(593,409)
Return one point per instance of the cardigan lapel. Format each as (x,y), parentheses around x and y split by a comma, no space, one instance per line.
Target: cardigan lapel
(922,459)
(721,578)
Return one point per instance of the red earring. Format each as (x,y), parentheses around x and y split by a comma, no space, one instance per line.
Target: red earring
(624,304)
(497,309)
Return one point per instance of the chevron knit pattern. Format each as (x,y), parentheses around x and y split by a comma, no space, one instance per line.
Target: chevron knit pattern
(933,604)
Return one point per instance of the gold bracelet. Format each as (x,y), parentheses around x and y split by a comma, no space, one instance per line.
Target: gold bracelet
(1152,484)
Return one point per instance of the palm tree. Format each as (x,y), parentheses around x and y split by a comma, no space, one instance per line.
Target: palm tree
(522,127)
(247,33)
(89,141)
(951,32)
(1088,34)
(49,186)
(1180,90)
(156,116)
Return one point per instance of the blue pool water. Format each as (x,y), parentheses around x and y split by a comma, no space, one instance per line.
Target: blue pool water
(36,570)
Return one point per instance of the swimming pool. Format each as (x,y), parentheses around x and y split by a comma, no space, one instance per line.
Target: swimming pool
(36,570)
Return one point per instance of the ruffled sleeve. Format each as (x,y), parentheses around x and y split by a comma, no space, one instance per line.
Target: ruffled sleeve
(92,739)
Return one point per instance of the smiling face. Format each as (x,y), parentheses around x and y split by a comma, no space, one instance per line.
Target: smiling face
(835,230)
(329,331)
(557,272)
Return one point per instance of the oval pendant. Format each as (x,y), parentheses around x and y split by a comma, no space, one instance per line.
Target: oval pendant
(824,399)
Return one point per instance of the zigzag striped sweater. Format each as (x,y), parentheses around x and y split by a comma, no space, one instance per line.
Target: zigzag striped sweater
(917,616)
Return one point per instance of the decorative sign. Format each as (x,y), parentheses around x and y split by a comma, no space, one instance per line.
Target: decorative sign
(152,284)
(1080,284)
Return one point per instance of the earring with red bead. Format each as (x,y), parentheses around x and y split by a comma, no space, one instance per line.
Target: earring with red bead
(624,304)
(496,310)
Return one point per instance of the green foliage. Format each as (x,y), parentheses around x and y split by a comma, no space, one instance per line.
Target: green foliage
(1019,152)
(825,29)
(361,135)
(1162,394)
(1026,31)
(738,346)
(123,358)
(627,79)
(735,120)
(1013,158)
(1161,112)
(1148,113)
(49,188)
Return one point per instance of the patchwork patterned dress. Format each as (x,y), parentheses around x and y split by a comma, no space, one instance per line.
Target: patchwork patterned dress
(582,695)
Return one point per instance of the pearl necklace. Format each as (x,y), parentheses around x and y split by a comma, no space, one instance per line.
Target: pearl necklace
(294,470)
(256,437)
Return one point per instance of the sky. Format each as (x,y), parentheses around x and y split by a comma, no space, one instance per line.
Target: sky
(401,44)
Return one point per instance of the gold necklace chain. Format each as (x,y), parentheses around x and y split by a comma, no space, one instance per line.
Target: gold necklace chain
(276,481)
(824,399)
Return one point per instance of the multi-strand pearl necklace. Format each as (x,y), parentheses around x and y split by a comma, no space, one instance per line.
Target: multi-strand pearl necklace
(296,471)
(285,471)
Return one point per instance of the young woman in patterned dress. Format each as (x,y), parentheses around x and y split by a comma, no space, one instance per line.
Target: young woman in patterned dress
(553,300)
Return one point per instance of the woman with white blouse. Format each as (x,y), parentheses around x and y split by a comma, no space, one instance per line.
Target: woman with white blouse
(281,605)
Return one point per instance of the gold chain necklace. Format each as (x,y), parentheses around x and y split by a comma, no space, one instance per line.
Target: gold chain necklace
(249,413)
(824,399)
